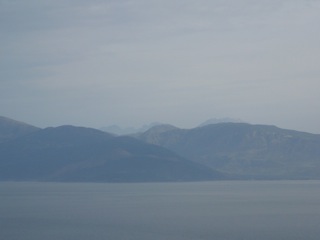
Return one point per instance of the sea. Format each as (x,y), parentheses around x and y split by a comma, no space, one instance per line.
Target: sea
(218,210)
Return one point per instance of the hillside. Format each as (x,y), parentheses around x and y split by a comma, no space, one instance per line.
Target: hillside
(11,129)
(70,153)
(247,151)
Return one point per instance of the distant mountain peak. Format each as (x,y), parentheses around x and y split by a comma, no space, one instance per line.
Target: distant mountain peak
(10,121)
(249,151)
(220,120)
(162,128)
(117,130)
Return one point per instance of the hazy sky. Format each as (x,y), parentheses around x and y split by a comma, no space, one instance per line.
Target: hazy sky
(130,62)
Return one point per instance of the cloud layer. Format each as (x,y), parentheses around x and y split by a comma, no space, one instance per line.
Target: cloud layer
(96,63)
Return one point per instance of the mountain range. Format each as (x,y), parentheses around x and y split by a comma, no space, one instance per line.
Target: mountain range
(117,130)
(79,154)
(244,150)
(232,150)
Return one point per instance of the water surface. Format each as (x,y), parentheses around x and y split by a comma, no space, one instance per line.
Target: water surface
(228,210)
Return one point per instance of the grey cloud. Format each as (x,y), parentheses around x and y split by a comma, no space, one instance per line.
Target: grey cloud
(130,62)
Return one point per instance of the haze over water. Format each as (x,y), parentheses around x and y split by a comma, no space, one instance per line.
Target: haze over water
(172,211)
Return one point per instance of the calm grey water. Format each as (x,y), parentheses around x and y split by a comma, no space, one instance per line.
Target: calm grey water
(161,211)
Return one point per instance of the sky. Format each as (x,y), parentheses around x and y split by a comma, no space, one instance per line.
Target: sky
(132,62)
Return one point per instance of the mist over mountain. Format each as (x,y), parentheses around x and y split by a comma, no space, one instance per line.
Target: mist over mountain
(69,153)
(220,120)
(11,129)
(117,130)
(245,150)
(162,153)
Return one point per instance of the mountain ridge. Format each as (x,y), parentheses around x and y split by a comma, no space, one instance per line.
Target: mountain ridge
(79,154)
(225,150)
(11,129)
(251,151)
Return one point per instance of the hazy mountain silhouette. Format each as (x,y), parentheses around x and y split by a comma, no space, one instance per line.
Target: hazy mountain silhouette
(214,151)
(115,129)
(248,151)
(70,153)
(11,129)
(220,120)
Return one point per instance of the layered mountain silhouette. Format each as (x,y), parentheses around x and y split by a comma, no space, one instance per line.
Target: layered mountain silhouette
(162,153)
(220,120)
(244,150)
(69,153)
(117,130)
